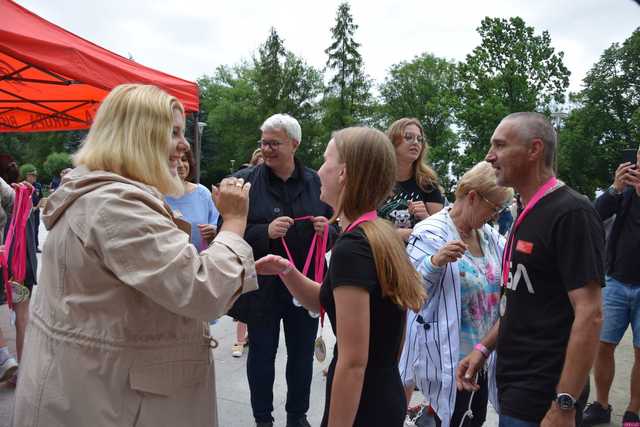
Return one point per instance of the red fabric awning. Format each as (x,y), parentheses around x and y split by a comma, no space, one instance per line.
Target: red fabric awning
(51,79)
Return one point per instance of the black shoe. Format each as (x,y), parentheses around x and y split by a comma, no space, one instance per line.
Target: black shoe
(265,424)
(629,419)
(300,422)
(595,414)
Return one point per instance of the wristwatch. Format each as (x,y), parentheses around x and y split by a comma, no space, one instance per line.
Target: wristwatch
(565,401)
(612,190)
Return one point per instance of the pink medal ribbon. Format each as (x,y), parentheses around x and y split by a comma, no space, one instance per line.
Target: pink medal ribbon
(508,252)
(16,241)
(319,248)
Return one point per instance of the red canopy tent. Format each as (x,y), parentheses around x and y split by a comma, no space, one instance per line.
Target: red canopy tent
(51,79)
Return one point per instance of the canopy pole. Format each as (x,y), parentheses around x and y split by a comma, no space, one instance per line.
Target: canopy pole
(196,148)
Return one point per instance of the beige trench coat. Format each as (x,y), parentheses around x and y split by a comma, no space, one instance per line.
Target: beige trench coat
(118,333)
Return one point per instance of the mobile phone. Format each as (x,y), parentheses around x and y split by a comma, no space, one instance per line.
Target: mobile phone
(630,155)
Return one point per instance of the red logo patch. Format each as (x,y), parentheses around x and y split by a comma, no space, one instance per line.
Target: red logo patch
(524,247)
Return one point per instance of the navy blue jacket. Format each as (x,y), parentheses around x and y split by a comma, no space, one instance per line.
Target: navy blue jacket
(265,205)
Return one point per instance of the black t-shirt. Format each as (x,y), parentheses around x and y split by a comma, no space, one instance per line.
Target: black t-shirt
(396,208)
(382,402)
(625,265)
(558,247)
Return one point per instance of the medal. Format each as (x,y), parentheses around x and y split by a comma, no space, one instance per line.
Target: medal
(320,349)
(503,304)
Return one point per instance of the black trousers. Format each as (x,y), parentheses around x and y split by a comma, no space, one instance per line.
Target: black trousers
(478,405)
(300,331)
(35,216)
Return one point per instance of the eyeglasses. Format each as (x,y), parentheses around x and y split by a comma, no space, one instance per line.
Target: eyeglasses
(408,138)
(496,208)
(273,145)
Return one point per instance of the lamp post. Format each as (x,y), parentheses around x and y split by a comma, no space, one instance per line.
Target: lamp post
(233,166)
(557,117)
(197,148)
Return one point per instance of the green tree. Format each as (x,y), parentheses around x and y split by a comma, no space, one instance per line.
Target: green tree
(606,120)
(425,88)
(35,147)
(55,163)
(229,100)
(238,99)
(347,99)
(285,83)
(269,73)
(512,70)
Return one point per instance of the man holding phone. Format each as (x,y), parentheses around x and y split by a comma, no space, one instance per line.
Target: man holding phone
(621,297)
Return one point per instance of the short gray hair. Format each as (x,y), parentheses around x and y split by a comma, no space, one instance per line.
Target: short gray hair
(285,123)
(535,125)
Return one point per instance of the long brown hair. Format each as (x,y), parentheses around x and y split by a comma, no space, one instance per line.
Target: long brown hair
(424,175)
(370,177)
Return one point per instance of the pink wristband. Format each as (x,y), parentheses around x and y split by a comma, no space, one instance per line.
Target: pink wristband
(482,349)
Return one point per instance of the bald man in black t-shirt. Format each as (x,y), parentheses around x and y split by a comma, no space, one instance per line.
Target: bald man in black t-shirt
(553,272)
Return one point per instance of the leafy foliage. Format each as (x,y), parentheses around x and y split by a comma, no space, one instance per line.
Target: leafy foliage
(347,99)
(606,121)
(512,70)
(425,88)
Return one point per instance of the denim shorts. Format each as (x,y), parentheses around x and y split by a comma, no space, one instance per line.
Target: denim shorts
(621,307)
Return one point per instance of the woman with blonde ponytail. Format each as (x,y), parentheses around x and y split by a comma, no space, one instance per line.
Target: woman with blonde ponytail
(369,286)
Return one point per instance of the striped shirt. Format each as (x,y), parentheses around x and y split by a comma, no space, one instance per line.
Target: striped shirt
(431,350)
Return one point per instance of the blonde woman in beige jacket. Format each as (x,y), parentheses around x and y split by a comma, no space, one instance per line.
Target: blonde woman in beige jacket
(118,333)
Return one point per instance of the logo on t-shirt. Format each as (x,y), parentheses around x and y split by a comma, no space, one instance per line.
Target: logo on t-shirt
(520,274)
(524,247)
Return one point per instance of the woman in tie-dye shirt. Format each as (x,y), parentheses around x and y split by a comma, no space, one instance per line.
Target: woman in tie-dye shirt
(458,256)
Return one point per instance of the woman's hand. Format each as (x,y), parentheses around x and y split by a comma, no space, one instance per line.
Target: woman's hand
(271,265)
(232,198)
(450,252)
(208,231)
(467,370)
(418,210)
(232,201)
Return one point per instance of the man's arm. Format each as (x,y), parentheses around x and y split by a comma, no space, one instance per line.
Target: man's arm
(584,338)
(608,204)
(581,350)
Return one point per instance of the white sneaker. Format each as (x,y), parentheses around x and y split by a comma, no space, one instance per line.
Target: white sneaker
(237,350)
(8,368)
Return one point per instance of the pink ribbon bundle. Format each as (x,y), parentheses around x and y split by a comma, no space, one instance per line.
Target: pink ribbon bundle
(318,248)
(16,241)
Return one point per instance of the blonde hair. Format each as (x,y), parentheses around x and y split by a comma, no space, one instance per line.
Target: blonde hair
(424,175)
(370,177)
(482,179)
(132,135)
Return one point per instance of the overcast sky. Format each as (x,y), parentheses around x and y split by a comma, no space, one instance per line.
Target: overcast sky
(190,38)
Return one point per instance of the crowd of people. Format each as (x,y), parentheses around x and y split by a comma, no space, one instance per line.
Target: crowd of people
(421,294)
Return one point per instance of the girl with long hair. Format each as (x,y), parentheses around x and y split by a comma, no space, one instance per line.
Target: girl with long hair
(369,286)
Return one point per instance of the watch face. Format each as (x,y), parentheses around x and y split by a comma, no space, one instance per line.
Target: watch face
(565,402)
